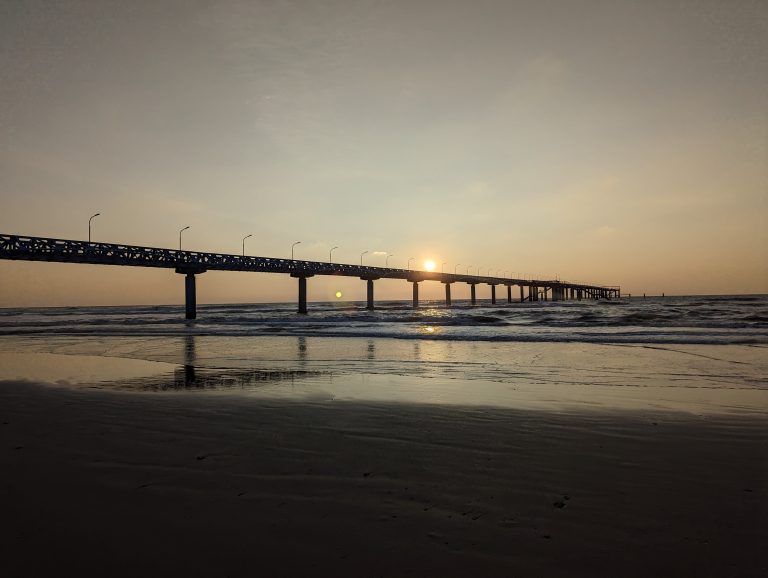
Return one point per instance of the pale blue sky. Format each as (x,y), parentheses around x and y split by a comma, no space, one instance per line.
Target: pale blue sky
(610,142)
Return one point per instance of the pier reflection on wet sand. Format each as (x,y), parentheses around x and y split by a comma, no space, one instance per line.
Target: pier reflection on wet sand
(191,376)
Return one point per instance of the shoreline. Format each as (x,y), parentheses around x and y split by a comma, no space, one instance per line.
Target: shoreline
(126,484)
(696,379)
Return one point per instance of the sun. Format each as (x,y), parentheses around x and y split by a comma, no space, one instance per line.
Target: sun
(338,294)
(429,265)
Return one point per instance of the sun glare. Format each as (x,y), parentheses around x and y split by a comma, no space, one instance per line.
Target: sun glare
(429,265)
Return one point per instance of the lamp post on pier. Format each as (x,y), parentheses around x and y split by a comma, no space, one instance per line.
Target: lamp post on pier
(244,238)
(330,254)
(180,232)
(409,262)
(292,246)
(89,225)
(442,268)
(361,257)
(455,268)
(386,261)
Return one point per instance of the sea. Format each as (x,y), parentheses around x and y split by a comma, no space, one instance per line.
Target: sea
(683,352)
(716,320)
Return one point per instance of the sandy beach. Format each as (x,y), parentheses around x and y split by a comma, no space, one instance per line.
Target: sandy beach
(218,484)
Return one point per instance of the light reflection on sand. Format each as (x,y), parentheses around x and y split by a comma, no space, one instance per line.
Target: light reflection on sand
(77,369)
(553,376)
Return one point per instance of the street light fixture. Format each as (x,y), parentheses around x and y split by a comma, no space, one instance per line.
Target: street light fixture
(292,246)
(456,267)
(244,238)
(386,261)
(409,262)
(468,268)
(330,254)
(180,232)
(442,268)
(361,257)
(89,225)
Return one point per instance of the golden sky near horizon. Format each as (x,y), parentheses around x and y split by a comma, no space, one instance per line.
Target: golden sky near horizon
(619,143)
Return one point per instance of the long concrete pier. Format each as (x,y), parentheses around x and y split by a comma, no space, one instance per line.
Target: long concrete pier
(193,263)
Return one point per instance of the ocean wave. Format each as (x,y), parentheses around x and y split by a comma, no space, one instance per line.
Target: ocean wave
(721,338)
(741,320)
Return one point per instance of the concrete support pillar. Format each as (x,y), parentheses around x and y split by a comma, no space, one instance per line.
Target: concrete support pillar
(509,293)
(369,283)
(190,294)
(522,298)
(303,295)
(447,294)
(493,294)
(472,295)
(415,294)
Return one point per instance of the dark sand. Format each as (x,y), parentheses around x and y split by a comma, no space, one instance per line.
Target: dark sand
(104,483)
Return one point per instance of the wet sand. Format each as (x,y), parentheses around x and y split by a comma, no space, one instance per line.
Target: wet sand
(218,484)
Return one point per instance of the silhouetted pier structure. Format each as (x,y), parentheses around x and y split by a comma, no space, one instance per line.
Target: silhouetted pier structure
(193,263)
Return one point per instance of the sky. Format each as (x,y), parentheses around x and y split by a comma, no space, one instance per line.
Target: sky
(617,142)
